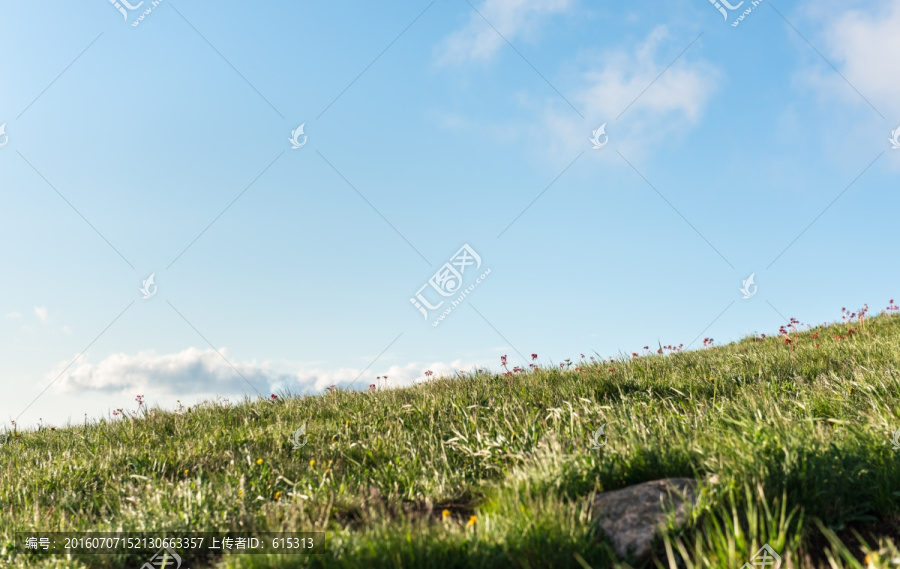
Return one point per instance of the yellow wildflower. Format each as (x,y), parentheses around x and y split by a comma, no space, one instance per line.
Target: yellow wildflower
(445,514)
(259,461)
(277,495)
(186,471)
(472,521)
(312,462)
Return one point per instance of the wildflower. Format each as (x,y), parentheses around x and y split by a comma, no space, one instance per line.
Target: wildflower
(259,461)
(240,492)
(503,360)
(187,471)
(139,399)
(472,521)
(312,462)
(634,354)
(277,495)
(445,514)
(712,379)
(534,357)
(273,397)
(327,470)
(371,387)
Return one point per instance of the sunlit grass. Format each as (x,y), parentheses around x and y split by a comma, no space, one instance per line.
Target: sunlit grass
(794,433)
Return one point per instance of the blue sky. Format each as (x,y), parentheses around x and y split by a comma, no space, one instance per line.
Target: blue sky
(163,148)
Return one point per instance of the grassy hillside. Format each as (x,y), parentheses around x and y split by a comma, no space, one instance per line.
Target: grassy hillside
(789,434)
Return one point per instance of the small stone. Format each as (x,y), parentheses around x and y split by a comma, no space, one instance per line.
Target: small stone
(631,516)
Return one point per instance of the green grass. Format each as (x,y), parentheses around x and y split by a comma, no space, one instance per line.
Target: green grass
(791,442)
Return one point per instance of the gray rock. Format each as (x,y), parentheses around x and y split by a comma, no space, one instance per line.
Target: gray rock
(631,516)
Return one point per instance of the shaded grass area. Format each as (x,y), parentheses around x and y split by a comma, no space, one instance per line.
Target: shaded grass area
(791,433)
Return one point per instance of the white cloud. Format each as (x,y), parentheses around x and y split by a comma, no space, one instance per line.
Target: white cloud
(195,371)
(658,100)
(41,313)
(863,45)
(477,41)
(658,106)
(13,315)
